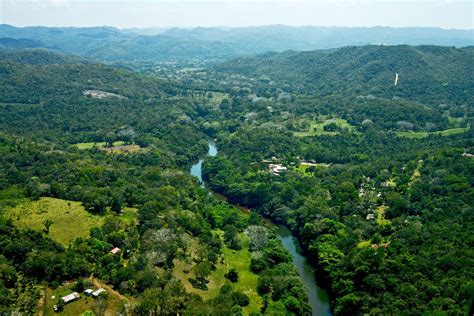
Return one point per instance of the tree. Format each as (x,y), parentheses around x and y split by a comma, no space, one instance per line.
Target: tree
(116,204)
(47,224)
(231,237)
(201,271)
(232,275)
(258,237)
(110,138)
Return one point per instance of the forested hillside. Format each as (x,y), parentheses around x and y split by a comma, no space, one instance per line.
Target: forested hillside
(332,148)
(427,74)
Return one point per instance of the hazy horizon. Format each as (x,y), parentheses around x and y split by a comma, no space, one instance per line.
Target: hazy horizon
(233,27)
(445,14)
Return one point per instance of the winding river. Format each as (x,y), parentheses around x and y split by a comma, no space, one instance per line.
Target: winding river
(318,298)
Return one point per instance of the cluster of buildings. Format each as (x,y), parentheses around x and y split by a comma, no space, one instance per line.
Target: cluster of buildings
(277,169)
(74,296)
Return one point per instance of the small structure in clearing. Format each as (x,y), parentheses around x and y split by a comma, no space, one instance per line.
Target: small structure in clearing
(115,250)
(88,292)
(98,94)
(277,169)
(97,293)
(71,297)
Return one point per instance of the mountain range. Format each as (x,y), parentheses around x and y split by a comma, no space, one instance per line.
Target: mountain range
(110,44)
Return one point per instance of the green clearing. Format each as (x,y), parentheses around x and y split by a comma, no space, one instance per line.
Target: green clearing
(423,134)
(317,128)
(452,131)
(302,168)
(364,244)
(129,216)
(456,120)
(217,97)
(237,259)
(380,211)
(96,145)
(70,219)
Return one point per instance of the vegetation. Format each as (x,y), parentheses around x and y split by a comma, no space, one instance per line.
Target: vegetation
(379,191)
(67,220)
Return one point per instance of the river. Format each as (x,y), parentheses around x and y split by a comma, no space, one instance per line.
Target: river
(318,298)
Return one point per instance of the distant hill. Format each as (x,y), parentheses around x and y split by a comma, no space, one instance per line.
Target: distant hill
(426,73)
(282,37)
(111,44)
(40,57)
(13,43)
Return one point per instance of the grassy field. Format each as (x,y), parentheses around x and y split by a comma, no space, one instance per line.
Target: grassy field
(123,149)
(422,134)
(217,97)
(317,128)
(302,168)
(96,145)
(70,219)
(239,260)
(380,211)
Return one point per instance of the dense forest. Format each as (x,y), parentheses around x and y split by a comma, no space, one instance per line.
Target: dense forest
(374,178)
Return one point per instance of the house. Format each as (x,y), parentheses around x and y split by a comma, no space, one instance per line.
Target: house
(115,250)
(97,293)
(276,169)
(88,292)
(370,217)
(71,297)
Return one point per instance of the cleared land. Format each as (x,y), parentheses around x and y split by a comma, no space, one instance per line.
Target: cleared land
(317,128)
(423,134)
(96,145)
(85,304)
(237,259)
(70,219)
(302,168)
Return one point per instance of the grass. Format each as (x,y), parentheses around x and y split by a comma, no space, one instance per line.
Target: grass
(70,219)
(452,131)
(380,211)
(456,120)
(412,134)
(302,168)
(96,145)
(84,304)
(237,259)
(129,215)
(423,134)
(317,128)
(217,97)
(121,149)
(364,244)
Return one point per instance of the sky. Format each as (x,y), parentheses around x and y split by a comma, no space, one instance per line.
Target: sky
(446,14)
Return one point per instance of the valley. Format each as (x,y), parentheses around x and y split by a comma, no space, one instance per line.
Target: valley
(206,172)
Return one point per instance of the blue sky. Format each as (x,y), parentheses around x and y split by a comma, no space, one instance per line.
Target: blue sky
(148,13)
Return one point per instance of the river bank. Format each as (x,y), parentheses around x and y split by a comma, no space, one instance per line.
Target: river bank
(318,297)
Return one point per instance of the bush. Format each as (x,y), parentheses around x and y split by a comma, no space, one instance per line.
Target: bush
(240,298)
(258,265)
(232,275)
